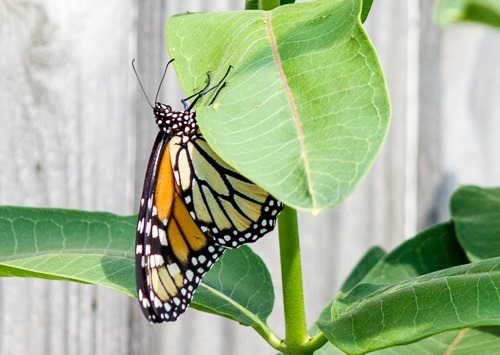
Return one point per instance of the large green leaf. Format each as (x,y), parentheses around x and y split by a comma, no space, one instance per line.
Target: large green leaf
(89,247)
(306,108)
(377,316)
(482,11)
(469,341)
(476,213)
(98,248)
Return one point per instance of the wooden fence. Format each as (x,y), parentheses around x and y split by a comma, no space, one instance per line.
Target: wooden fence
(76,132)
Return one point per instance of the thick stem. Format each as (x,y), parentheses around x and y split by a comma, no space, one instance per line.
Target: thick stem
(291,274)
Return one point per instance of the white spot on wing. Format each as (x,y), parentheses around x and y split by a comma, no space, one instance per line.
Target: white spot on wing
(173,269)
(163,237)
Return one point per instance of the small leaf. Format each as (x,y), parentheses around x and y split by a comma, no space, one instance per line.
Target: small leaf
(238,287)
(251,4)
(367,5)
(481,11)
(306,108)
(378,316)
(476,213)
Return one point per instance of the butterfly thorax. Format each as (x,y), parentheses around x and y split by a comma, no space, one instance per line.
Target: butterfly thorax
(177,123)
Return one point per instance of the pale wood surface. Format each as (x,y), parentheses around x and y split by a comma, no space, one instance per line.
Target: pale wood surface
(75,132)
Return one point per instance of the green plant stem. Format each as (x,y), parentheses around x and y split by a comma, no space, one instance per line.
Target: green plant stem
(251,4)
(316,342)
(268,4)
(291,276)
(270,337)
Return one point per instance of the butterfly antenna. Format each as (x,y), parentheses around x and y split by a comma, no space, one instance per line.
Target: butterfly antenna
(142,87)
(140,84)
(163,77)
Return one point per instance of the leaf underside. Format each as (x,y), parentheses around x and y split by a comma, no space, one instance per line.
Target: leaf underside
(305,109)
(98,248)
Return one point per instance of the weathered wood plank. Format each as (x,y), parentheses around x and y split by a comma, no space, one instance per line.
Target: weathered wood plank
(67,141)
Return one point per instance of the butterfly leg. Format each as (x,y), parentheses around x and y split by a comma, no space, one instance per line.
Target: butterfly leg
(197,95)
(206,91)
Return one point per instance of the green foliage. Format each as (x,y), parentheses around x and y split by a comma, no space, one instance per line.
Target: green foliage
(476,213)
(98,248)
(306,87)
(238,287)
(421,289)
(88,247)
(481,11)
(373,316)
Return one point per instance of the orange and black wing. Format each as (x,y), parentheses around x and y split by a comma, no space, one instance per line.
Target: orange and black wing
(172,252)
(225,205)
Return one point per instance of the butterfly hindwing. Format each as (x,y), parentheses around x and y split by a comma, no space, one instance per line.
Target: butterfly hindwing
(174,253)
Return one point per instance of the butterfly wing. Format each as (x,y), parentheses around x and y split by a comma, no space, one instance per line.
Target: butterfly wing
(225,205)
(172,252)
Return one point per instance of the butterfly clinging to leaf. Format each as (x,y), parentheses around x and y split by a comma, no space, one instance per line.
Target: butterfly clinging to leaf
(193,207)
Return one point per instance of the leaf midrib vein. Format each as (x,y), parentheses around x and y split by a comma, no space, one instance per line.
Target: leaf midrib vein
(291,103)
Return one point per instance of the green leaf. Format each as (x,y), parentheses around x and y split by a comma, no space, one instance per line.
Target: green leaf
(378,316)
(367,262)
(476,213)
(482,340)
(98,248)
(482,11)
(325,316)
(251,4)
(238,287)
(367,5)
(305,110)
(88,247)
(434,249)
(362,268)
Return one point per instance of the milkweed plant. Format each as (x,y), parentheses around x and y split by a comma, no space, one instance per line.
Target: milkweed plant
(307,87)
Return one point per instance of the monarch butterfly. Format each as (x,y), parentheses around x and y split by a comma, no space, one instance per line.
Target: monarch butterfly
(193,207)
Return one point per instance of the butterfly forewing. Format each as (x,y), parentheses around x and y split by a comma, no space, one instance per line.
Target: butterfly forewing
(224,204)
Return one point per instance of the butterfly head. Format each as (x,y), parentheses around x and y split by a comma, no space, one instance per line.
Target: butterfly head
(179,123)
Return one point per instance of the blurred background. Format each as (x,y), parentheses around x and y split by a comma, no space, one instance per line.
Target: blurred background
(76,132)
